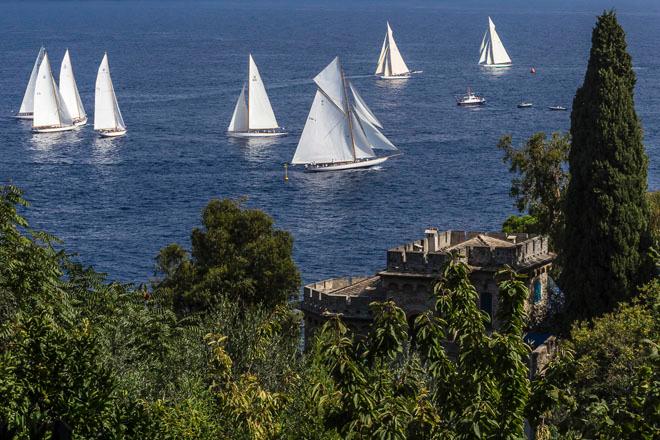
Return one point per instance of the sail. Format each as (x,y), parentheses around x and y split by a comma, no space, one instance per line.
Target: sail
(374,137)
(362,109)
(49,110)
(397,65)
(492,49)
(106,110)
(239,120)
(69,89)
(331,82)
(326,137)
(27,105)
(380,67)
(363,148)
(260,112)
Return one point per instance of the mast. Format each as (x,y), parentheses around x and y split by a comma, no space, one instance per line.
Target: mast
(348,113)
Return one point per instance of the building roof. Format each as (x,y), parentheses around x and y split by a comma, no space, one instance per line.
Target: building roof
(482,240)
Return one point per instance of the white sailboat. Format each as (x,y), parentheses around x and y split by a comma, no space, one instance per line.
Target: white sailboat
(390,62)
(50,112)
(69,92)
(254,117)
(107,117)
(492,52)
(27,106)
(341,131)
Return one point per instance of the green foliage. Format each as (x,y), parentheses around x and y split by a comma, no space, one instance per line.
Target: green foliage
(605,381)
(237,254)
(540,181)
(454,381)
(654,217)
(604,250)
(523,223)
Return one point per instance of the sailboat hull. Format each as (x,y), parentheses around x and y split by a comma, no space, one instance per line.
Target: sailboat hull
(317,168)
(111,133)
(390,77)
(53,129)
(24,116)
(253,134)
(497,66)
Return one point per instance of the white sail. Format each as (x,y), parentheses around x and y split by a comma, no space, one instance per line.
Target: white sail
(362,109)
(260,112)
(69,89)
(49,110)
(239,120)
(363,148)
(107,115)
(326,137)
(27,105)
(375,138)
(492,51)
(390,62)
(331,81)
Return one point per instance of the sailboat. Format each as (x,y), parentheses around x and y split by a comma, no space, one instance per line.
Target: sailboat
(27,106)
(107,117)
(341,131)
(492,52)
(50,112)
(254,117)
(69,92)
(390,62)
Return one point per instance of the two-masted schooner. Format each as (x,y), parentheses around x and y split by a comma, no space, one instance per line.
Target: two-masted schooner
(69,92)
(390,62)
(27,105)
(341,132)
(107,117)
(50,112)
(492,52)
(254,117)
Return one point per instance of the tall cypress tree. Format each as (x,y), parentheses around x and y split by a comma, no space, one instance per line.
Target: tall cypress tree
(604,249)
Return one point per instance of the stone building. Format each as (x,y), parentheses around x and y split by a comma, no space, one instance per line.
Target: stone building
(413,268)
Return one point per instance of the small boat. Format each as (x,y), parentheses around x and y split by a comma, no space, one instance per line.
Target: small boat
(254,117)
(470,98)
(27,105)
(492,52)
(557,108)
(107,116)
(341,132)
(390,62)
(525,105)
(50,112)
(532,70)
(69,92)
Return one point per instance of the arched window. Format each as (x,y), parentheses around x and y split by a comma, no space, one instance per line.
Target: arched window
(538,291)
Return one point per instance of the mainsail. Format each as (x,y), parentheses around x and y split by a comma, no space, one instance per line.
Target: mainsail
(492,51)
(69,89)
(336,129)
(49,109)
(390,62)
(27,105)
(106,110)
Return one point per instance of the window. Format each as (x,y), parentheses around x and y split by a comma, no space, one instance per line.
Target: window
(486,303)
(538,291)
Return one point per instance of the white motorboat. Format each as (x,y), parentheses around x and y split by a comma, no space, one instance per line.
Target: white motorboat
(470,98)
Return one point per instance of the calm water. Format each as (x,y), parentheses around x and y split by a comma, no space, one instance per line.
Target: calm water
(178,68)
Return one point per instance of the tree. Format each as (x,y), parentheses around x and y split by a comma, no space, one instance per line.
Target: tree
(238,253)
(605,245)
(605,382)
(540,181)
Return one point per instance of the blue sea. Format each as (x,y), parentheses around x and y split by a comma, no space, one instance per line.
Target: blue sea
(178,68)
